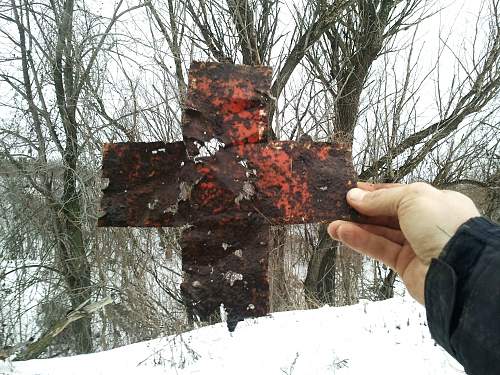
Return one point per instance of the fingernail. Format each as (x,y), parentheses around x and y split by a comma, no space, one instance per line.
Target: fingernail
(356,194)
(332,232)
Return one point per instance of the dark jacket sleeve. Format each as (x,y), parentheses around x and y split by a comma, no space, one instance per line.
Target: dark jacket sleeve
(462,297)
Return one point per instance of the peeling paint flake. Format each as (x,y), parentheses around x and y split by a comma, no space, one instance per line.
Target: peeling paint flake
(232,277)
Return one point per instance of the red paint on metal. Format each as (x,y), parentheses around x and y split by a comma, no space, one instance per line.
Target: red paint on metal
(276,175)
(227,102)
(231,197)
(323,154)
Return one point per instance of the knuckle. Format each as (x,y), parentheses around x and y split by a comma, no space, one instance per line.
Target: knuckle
(459,197)
(420,188)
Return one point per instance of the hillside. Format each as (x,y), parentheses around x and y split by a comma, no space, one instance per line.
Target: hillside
(388,337)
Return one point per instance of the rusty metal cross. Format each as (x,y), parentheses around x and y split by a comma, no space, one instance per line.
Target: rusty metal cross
(227,183)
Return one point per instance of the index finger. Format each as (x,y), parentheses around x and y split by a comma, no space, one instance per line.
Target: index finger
(384,221)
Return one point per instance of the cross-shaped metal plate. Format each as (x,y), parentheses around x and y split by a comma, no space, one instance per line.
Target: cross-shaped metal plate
(228,182)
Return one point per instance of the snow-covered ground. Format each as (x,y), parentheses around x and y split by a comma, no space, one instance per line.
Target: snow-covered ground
(389,337)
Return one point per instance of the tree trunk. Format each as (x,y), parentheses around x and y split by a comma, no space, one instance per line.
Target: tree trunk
(72,252)
(386,290)
(319,286)
(278,292)
(76,270)
(366,37)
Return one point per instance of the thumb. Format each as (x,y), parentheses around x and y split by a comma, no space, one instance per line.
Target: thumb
(383,202)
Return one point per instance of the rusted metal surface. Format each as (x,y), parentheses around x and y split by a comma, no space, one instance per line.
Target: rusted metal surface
(226,102)
(293,183)
(144,184)
(227,265)
(230,194)
(155,184)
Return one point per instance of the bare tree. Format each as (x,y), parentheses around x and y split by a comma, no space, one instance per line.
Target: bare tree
(56,55)
(398,147)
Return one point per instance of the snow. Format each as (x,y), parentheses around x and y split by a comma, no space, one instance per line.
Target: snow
(387,337)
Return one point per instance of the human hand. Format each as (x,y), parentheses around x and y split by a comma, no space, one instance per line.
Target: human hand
(405,226)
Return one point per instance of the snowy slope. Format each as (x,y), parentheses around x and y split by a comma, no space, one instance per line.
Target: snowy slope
(389,337)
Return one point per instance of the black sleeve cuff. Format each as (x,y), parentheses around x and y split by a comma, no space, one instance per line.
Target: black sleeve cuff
(461,278)
(440,286)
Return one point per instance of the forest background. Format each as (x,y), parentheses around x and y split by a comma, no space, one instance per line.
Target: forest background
(413,85)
